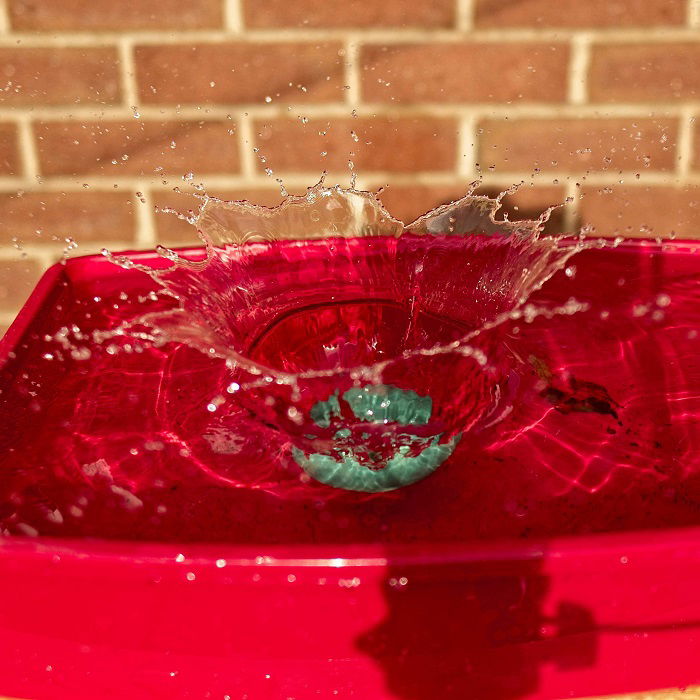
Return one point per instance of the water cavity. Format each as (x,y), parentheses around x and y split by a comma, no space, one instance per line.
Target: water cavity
(303,373)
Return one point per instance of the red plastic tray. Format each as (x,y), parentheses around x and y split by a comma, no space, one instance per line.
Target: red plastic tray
(561,617)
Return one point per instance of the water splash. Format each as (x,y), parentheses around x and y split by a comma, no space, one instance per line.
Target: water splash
(211,371)
(378,299)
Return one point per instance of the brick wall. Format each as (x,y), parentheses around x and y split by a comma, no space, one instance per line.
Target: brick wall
(105,106)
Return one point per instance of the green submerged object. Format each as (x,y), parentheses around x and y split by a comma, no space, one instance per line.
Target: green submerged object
(414,457)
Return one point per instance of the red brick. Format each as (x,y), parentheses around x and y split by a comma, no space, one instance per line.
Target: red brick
(240,73)
(642,211)
(51,217)
(348,13)
(88,148)
(59,76)
(574,13)
(579,145)
(97,15)
(401,144)
(464,72)
(17,279)
(9,152)
(645,72)
(175,232)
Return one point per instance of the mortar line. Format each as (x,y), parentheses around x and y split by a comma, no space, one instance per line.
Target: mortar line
(398,35)
(27,149)
(7,317)
(233,16)
(571,210)
(484,110)
(145,224)
(45,256)
(4,18)
(465,15)
(352,71)
(304,179)
(579,61)
(542,179)
(50,253)
(693,17)
(48,256)
(467,148)
(127,71)
(560,35)
(361,182)
(11,254)
(684,144)
(246,143)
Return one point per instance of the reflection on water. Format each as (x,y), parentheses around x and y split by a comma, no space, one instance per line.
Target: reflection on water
(475,631)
